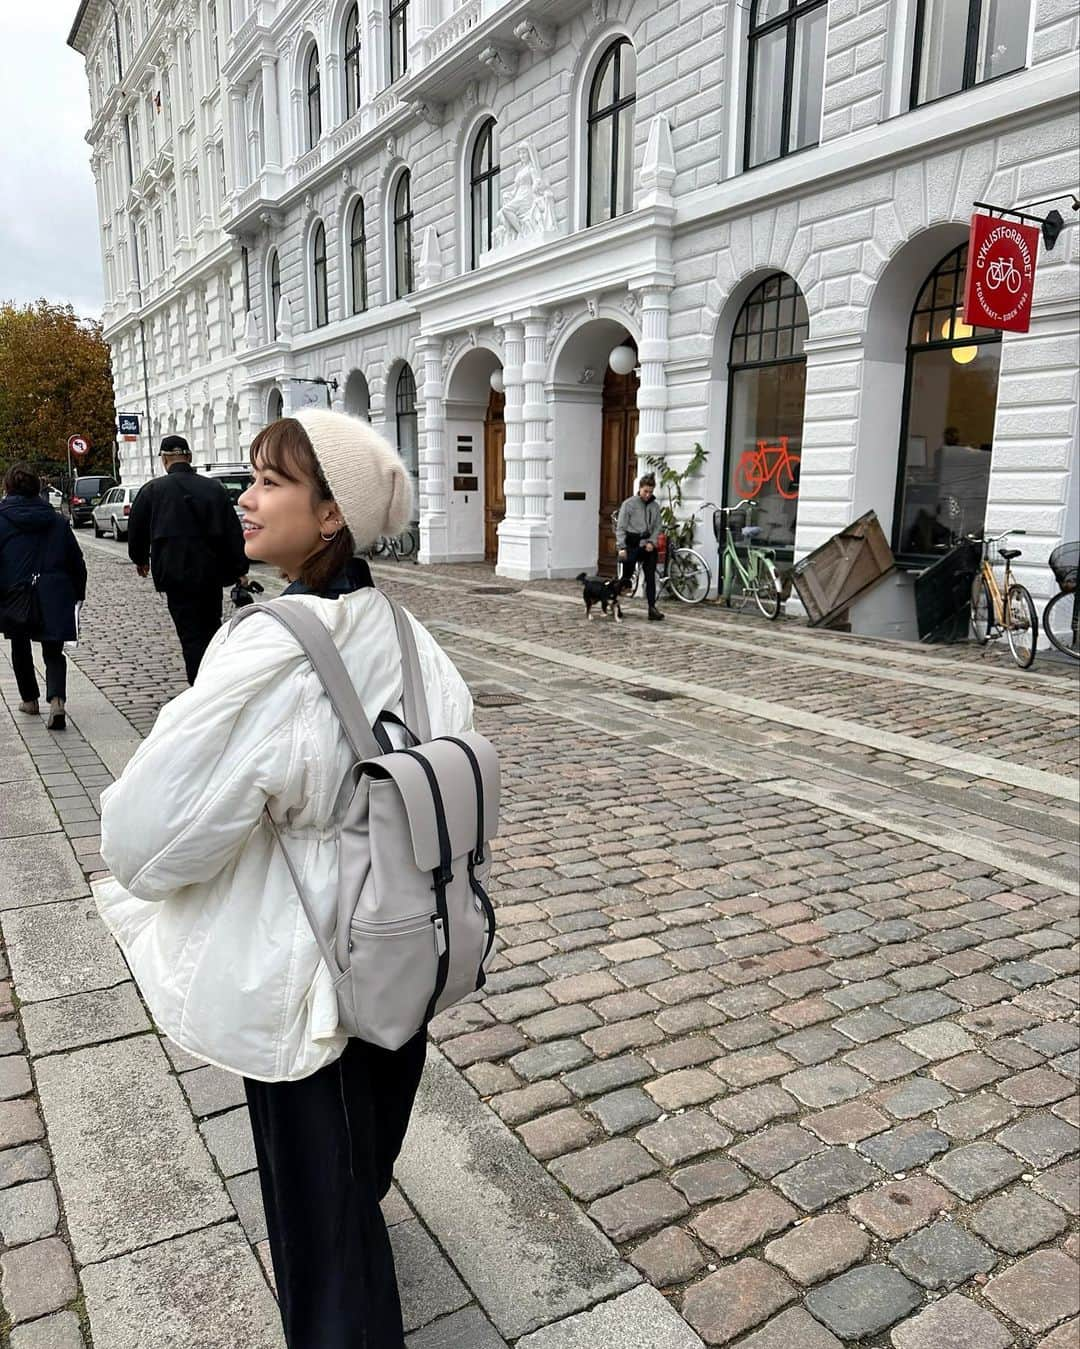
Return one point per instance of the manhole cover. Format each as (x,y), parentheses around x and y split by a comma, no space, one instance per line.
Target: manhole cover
(496,699)
(652,695)
(491,590)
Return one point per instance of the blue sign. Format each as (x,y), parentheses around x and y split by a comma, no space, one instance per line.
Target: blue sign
(128,423)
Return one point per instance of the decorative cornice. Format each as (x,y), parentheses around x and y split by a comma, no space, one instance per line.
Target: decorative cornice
(502,61)
(537,36)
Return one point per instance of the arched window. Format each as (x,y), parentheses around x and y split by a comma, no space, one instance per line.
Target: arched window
(766,392)
(407,437)
(357,259)
(483,190)
(611,134)
(399,39)
(314,104)
(947,429)
(318,276)
(212,33)
(403,218)
(352,62)
(129,36)
(961,43)
(258,136)
(275,296)
(785,78)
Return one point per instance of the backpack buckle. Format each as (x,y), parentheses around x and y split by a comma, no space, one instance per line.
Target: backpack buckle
(443,877)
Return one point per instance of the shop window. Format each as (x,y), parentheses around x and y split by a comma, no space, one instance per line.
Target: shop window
(610,165)
(358,259)
(961,43)
(483,191)
(785,78)
(408,440)
(948,422)
(318,276)
(403,220)
(399,39)
(313,86)
(766,392)
(352,62)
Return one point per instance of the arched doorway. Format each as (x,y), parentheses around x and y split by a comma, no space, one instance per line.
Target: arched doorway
(275,406)
(618,460)
(947,426)
(766,397)
(474,437)
(494,473)
(357,395)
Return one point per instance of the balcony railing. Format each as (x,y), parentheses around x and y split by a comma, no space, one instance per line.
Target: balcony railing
(446,34)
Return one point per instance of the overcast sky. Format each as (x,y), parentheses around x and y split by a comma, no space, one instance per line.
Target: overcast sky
(48,230)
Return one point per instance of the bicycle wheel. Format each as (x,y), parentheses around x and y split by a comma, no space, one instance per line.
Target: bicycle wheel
(1022,625)
(1061,623)
(982,611)
(766,589)
(406,543)
(688,575)
(748,475)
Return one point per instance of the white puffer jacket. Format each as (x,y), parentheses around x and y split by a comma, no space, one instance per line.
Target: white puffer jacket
(201,901)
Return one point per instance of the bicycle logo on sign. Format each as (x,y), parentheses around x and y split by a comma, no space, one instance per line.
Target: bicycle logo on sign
(1003,272)
(768,463)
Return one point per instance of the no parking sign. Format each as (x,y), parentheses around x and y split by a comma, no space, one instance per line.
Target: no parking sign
(78,445)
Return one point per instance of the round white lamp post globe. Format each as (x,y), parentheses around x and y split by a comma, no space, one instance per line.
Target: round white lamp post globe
(622,360)
(496,381)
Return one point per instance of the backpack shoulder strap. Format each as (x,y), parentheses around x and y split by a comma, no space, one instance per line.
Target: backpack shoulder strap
(317,644)
(413,696)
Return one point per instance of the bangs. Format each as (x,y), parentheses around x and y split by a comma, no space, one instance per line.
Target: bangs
(283,448)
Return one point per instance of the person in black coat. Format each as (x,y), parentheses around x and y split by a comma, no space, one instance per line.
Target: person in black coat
(184,532)
(36,541)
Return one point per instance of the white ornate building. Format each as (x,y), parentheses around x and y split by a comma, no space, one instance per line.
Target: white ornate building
(426,202)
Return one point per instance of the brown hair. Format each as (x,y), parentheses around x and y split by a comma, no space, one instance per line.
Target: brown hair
(20,480)
(284,448)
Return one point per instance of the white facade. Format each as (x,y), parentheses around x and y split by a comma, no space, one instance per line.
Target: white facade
(225,179)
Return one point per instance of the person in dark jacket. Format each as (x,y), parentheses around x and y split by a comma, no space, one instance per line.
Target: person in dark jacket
(36,541)
(184,532)
(637,536)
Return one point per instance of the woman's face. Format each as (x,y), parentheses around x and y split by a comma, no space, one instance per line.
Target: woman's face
(283,521)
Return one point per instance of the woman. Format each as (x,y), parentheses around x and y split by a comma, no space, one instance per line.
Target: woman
(201,901)
(35,541)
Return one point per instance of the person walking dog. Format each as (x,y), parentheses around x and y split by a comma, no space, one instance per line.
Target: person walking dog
(42,579)
(637,536)
(205,904)
(183,531)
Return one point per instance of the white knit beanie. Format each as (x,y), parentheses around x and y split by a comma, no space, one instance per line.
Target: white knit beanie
(368,481)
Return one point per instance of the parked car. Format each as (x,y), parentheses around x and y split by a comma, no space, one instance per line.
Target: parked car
(86,492)
(111,513)
(235,478)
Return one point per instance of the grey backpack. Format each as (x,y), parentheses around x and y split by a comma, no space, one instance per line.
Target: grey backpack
(414,924)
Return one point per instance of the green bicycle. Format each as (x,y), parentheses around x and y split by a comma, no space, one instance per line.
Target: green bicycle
(755,569)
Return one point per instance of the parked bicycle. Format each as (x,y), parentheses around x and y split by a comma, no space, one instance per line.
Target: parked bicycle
(1007,609)
(682,571)
(755,569)
(1061,617)
(398,547)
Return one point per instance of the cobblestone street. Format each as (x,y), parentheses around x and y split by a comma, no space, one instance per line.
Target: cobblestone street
(782,1032)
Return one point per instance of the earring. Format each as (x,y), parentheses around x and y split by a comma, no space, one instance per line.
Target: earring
(329,538)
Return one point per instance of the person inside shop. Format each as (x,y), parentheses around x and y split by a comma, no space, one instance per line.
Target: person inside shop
(637,537)
(184,532)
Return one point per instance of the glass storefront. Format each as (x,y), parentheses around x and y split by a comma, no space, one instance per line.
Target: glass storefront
(767,389)
(948,427)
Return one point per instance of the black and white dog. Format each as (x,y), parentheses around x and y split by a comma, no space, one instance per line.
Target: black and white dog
(602,590)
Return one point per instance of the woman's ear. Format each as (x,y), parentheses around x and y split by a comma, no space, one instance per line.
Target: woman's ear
(330,517)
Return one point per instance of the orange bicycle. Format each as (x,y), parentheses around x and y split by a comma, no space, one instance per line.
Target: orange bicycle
(768,463)
(1008,609)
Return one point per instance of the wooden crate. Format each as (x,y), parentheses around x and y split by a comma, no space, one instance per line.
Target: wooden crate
(850,562)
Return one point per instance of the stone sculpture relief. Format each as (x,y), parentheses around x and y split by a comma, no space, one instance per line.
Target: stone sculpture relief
(529,208)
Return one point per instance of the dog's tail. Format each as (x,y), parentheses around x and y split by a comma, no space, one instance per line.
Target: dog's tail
(583,577)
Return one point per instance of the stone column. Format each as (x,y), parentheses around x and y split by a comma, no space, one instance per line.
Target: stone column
(653,351)
(241,163)
(434,542)
(535,448)
(271,114)
(524,534)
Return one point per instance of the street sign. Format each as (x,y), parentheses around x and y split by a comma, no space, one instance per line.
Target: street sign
(78,446)
(128,424)
(1000,273)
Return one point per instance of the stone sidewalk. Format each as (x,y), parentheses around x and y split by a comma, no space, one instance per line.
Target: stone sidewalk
(780,1044)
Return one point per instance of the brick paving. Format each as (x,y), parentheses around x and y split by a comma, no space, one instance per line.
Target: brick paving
(767,1002)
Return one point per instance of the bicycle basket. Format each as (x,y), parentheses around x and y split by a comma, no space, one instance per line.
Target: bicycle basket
(1063,563)
(736,522)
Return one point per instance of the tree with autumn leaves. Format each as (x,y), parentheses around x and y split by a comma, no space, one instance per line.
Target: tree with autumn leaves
(55,382)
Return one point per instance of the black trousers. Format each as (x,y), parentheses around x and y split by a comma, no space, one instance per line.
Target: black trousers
(326,1147)
(22,662)
(196,615)
(634,554)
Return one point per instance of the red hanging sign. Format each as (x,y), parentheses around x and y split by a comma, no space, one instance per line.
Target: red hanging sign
(1000,273)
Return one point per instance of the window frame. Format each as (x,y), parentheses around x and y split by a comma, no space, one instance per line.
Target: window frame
(353,63)
(789,21)
(610,112)
(320,290)
(403,221)
(274,275)
(313,97)
(971,55)
(482,184)
(398,35)
(978,337)
(358,258)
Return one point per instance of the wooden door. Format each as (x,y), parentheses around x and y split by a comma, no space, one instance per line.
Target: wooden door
(494,474)
(619,424)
